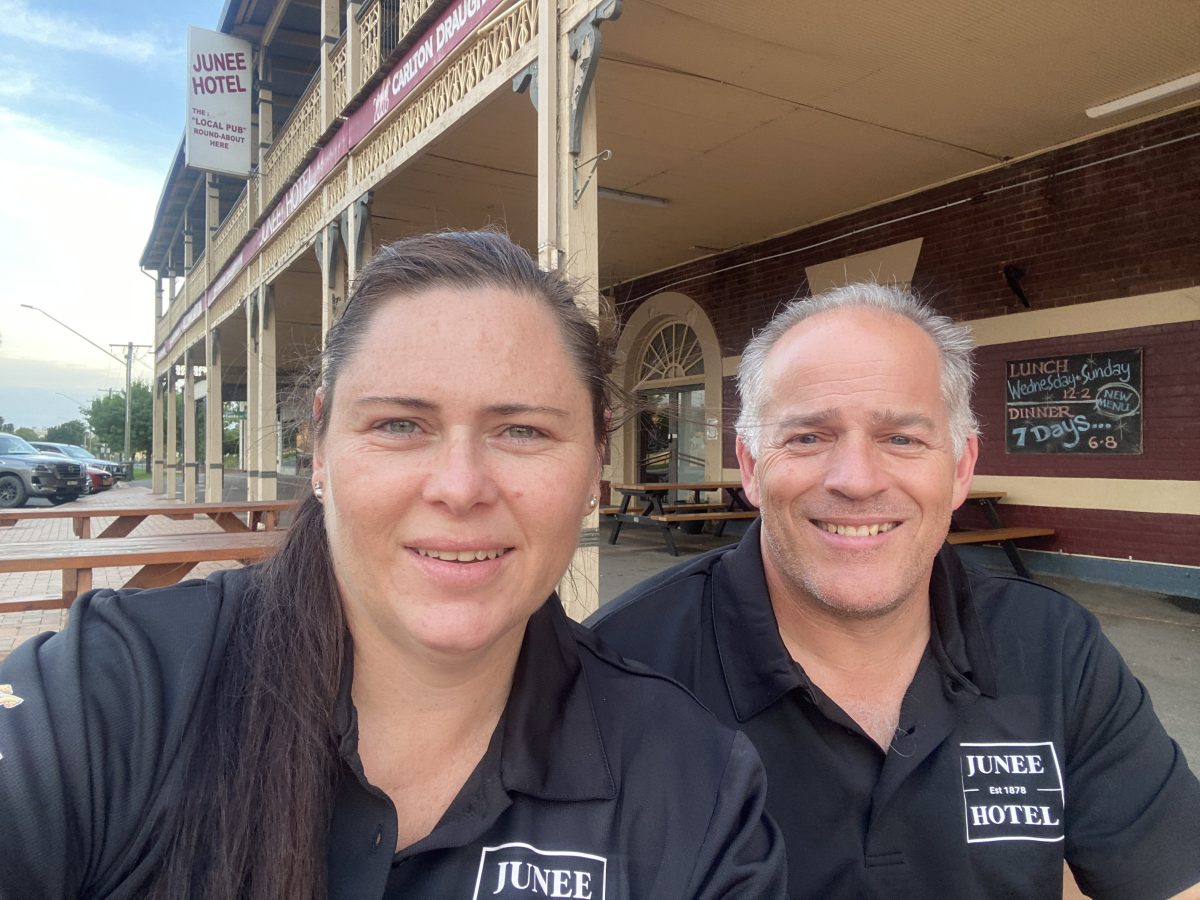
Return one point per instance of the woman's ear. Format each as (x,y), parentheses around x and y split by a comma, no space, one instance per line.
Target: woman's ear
(318,458)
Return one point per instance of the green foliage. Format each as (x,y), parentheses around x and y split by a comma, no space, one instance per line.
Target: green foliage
(107,419)
(28,433)
(73,432)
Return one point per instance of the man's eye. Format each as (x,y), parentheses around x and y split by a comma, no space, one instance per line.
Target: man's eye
(400,426)
(803,439)
(901,440)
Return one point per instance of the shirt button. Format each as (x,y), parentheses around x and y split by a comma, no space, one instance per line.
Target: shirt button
(378,839)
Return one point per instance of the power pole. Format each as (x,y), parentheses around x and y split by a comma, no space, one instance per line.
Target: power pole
(129,348)
(128,361)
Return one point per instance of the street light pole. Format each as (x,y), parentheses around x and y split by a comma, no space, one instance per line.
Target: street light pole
(127,362)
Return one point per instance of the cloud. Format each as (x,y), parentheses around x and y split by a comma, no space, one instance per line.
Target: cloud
(15,84)
(85,214)
(62,32)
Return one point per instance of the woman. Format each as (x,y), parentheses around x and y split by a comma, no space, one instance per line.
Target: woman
(391,707)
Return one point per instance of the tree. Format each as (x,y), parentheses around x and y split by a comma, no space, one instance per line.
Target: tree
(107,418)
(73,432)
(27,433)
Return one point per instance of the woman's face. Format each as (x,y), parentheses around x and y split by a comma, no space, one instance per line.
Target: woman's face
(457,465)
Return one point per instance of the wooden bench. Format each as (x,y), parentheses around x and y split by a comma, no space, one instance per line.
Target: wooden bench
(164,559)
(126,518)
(1004,537)
(716,515)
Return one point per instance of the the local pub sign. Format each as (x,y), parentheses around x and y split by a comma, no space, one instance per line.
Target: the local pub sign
(1082,403)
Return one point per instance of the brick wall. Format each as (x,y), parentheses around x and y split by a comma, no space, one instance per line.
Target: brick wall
(1112,217)
(1115,228)
(1157,537)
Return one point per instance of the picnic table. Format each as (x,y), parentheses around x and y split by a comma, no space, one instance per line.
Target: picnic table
(654,507)
(164,559)
(998,533)
(127,518)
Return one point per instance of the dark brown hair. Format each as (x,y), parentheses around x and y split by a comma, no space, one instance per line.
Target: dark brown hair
(254,816)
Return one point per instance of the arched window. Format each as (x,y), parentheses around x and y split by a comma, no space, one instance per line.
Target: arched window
(672,353)
(671,423)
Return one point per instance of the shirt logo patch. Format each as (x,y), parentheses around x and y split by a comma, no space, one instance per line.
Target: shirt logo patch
(7,698)
(1012,792)
(513,871)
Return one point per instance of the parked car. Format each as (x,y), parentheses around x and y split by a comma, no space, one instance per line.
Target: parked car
(98,479)
(25,473)
(85,456)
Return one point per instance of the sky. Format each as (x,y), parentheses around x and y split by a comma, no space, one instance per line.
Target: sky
(91,113)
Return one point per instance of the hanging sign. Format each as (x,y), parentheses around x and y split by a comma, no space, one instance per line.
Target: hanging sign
(219,78)
(1085,403)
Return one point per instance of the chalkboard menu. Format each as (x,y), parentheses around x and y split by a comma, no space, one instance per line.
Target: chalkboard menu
(1086,403)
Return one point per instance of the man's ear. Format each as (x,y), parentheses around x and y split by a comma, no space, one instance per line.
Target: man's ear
(964,470)
(749,465)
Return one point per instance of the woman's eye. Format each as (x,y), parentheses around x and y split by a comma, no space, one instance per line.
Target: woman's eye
(522,432)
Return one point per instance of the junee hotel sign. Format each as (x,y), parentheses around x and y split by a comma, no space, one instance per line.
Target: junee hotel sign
(1082,403)
(219,78)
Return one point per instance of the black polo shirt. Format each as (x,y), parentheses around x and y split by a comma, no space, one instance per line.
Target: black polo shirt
(1023,740)
(602,780)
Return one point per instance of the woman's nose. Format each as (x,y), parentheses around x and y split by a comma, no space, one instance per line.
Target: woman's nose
(460,477)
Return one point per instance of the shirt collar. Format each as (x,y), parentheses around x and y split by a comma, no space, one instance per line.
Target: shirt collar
(550,745)
(756,664)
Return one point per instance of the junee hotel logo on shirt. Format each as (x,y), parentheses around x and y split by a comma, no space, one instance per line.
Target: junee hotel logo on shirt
(517,871)
(1012,792)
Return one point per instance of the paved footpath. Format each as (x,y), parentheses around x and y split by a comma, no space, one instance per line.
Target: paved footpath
(17,627)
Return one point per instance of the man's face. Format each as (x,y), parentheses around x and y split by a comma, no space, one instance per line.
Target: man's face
(856,475)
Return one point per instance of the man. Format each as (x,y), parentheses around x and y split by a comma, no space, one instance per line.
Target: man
(928,730)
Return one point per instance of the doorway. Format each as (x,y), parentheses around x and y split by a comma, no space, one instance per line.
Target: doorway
(671,433)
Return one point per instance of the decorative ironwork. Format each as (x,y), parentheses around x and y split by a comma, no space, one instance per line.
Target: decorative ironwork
(335,187)
(232,231)
(486,53)
(293,237)
(298,137)
(585,50)
(369,27)
(398,18)
(339,86)
(230,298)
(673,352)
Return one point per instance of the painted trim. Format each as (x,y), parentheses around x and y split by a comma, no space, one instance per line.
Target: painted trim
(1165,308)
(893,264)
(729,366)
(1144,575)
(1120,494)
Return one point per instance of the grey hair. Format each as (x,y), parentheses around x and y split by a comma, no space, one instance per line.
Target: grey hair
(955,349)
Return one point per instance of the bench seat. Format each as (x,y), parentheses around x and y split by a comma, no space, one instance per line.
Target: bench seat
(713,516)
(164,559)
(997,535)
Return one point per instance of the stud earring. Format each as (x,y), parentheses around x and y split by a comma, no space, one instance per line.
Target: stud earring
(592,502)
(318,490)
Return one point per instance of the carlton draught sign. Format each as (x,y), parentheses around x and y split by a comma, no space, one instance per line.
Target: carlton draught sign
(219,77)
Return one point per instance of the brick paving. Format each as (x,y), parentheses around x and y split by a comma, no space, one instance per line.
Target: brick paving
(18,627)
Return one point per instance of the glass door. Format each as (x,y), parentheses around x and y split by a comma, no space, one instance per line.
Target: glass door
(670,435)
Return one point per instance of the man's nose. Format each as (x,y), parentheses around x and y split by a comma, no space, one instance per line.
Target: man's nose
(460,475)
(855,468)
